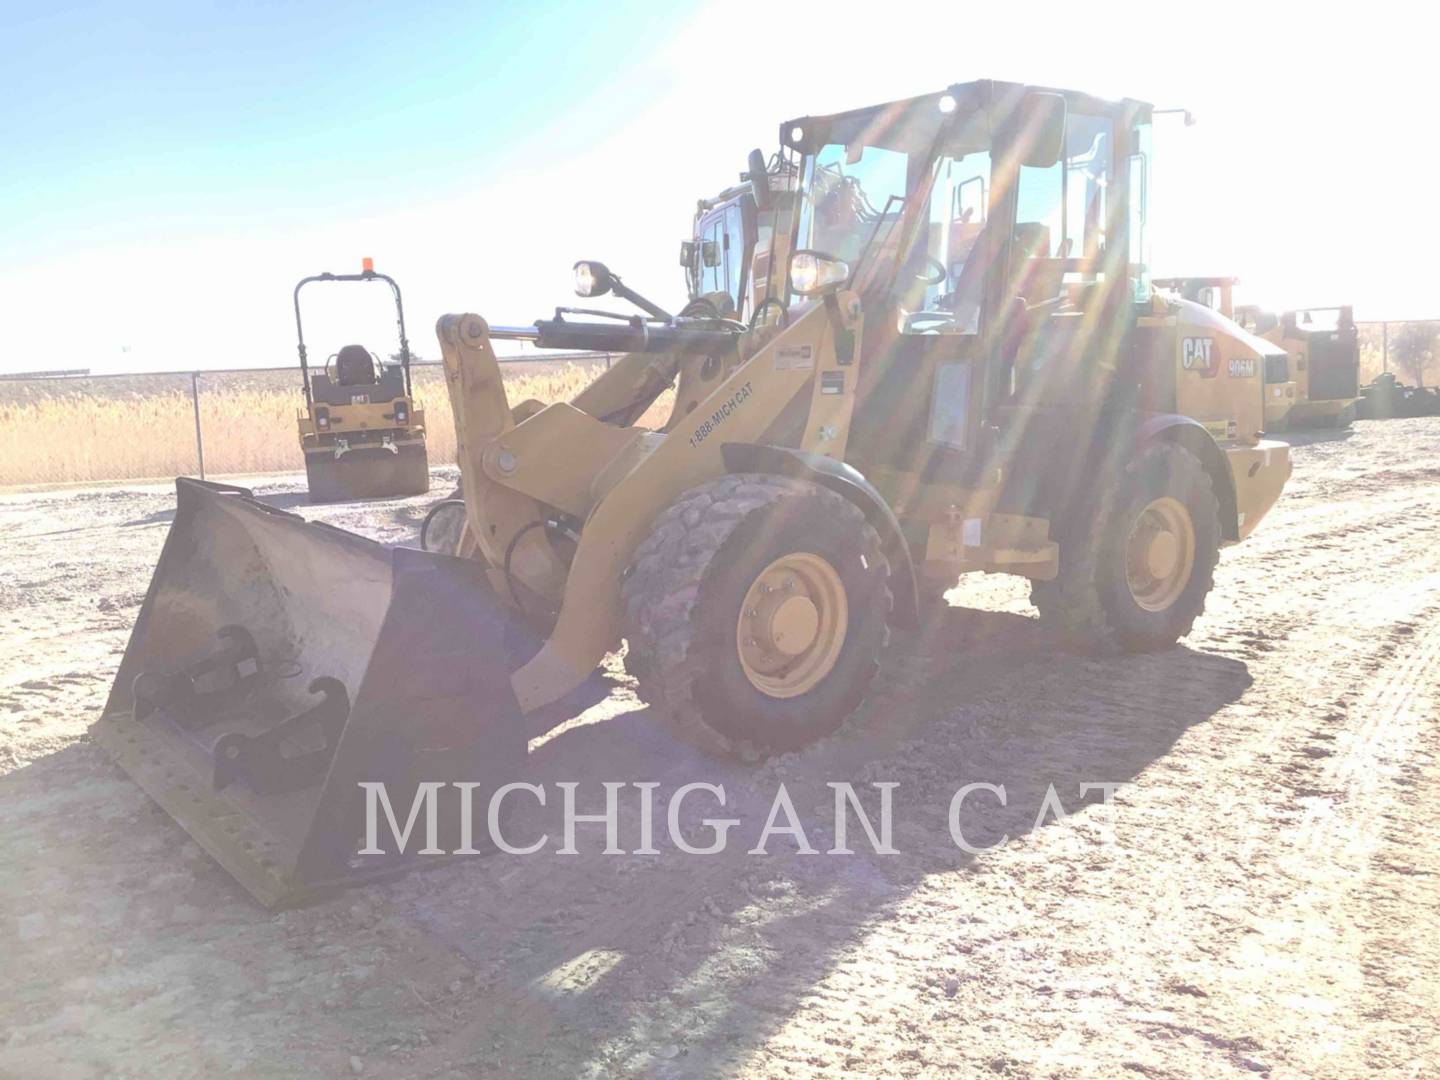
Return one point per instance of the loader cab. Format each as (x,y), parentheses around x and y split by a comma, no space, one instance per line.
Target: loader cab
(995,233)
(717,258)
(1215,293)
(1256,319)
(737,243)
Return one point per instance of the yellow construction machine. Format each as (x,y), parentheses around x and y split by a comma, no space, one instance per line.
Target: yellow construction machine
(1218,294)
(1322,347)
(360,433)
(967,370)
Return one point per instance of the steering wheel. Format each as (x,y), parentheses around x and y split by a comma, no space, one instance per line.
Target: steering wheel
(768,302)
(935,278)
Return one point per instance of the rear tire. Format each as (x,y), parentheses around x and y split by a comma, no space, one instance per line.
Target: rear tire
(728,571)
(367,472)
(1134,573)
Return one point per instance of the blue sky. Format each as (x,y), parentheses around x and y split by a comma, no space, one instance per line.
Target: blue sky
(181,117)
(172,169)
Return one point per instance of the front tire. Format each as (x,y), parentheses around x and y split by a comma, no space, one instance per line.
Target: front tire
(756,612)
(444,525)
(1136,568)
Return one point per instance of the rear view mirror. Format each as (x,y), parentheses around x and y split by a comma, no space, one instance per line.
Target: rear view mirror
(759,177)
(1036,129)
(687,253)
(710,253)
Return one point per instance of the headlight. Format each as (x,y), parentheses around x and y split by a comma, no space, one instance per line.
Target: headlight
(592,278)
(814,272)
(402,413)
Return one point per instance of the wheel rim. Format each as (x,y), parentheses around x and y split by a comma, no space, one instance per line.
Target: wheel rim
(792,625)
(1160,554)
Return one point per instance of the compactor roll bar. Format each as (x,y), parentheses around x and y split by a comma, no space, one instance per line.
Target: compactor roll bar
(368,274)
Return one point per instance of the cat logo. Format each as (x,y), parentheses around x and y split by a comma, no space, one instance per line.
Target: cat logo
(1197,354)
(1242,367)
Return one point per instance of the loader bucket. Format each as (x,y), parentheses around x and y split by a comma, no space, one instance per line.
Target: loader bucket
(277,665)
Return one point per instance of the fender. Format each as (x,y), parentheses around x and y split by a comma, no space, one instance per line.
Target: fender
(847,481)
(1191,434)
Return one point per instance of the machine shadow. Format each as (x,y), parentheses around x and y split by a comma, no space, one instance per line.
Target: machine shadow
(1310,436)
(738,940)
(159,517)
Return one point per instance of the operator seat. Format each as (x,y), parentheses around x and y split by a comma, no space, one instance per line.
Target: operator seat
(354,366)
(1037,274)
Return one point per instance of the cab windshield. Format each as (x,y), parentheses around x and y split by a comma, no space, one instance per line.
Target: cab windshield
(850,196)
(855,194)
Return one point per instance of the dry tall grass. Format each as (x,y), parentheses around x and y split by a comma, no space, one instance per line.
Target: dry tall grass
(143,426)
(115,432)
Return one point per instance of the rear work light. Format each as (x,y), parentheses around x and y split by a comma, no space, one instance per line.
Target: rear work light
(322,419)
(402,412)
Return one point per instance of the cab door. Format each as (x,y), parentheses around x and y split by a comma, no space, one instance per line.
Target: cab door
(723,250)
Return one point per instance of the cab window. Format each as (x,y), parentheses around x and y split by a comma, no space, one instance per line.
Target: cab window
(735,254)
(854,191)
(712,256)
(942,284)
(1061,213)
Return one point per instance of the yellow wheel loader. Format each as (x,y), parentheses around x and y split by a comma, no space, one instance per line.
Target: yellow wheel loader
(972,373)
(1322,346)
(360,432)
(1218,294)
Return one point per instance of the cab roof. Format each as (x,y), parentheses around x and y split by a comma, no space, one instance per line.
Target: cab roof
(908,124)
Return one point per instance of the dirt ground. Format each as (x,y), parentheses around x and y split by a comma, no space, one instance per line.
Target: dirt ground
(1259,896)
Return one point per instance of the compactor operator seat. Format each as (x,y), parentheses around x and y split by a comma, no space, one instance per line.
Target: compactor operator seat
(355,379)
(354,367)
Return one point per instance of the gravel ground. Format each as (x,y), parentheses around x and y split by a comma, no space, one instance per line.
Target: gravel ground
(1257,897)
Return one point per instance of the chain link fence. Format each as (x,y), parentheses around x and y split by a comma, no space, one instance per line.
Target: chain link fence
(1408,347)
(72,426)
